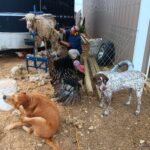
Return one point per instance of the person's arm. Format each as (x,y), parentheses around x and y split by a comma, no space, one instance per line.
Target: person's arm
(67,33)
(65,44)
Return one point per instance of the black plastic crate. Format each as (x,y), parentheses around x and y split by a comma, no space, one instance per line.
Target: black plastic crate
(29,42)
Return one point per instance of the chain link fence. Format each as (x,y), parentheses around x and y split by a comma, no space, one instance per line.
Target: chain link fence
(114,21)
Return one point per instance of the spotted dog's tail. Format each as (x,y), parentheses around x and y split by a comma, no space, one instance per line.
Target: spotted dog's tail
(145,77)
(127,63)
(145,84)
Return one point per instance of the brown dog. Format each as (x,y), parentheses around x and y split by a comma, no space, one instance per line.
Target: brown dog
(38,112)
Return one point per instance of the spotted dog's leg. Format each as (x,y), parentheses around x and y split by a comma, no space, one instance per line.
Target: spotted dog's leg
(102,100)
(129,99)
(139,95)
(107,111)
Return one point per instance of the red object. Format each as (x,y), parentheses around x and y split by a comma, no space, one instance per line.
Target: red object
(78,66)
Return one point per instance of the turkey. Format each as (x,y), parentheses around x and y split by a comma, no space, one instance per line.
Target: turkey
(67,78)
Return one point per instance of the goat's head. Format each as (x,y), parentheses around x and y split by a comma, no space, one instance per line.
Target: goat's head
(29,18)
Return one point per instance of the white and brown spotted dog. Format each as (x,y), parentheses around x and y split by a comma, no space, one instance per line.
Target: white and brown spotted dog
(109,83)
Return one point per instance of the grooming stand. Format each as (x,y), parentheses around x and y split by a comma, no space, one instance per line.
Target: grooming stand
(37,62)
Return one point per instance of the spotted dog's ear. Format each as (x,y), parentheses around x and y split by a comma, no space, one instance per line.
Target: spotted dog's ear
(101,77)
(96,78)
(104,78)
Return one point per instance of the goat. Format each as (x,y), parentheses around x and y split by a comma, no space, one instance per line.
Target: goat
(44,27)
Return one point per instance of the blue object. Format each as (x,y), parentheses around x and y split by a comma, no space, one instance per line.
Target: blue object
(36,12)
(37,62)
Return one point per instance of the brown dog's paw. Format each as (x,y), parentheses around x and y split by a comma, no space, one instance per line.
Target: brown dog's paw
(24,118)
(21,109)
(27,129)
(9,127)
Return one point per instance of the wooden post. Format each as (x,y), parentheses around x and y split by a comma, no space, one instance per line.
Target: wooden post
(147,86)
(95,64)
(88,81)
(94,69)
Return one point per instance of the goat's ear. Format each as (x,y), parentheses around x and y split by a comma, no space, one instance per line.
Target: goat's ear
(22,19)
(36,18)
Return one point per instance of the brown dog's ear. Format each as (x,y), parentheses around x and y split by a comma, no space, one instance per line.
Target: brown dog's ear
(24,93)
(23,99)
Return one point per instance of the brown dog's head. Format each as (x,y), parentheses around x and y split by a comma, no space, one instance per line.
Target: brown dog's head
(17,99)
(101,80)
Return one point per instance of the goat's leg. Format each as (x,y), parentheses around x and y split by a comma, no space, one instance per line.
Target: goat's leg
(139,95)
(37,43)
(47,45)
(49,59)
(129,99)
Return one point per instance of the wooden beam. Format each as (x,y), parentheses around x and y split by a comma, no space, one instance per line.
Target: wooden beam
(95,64)
(94,68)
(88,81)
(84,41)
(147,86)
(85,38)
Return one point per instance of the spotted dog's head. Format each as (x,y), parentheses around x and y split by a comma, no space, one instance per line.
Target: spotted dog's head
(18,99)
(101,80)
